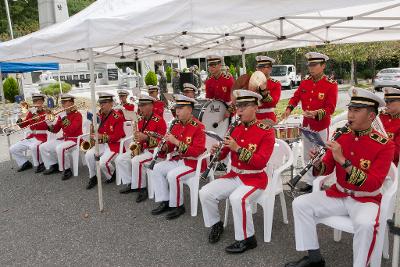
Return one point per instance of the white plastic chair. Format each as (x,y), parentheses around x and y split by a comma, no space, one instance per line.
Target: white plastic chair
(344,223)
(280,160)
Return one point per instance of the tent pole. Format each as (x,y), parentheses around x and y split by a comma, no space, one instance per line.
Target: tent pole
(3,98)
(95,126)
(243,49)
(199,64)
(137,76)
(59,81)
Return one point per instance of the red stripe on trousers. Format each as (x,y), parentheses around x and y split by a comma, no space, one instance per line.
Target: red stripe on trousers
(140,172)
(178,188)
(244,210)
(63,155)
(371,248)
(108,168)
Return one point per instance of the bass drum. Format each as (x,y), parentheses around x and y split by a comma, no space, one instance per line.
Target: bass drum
(212,114)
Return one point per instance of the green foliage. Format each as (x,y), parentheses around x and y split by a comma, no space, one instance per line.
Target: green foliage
(74,6)
(151,78)
(169,74)
(54,89)
(232,70)
(10,87)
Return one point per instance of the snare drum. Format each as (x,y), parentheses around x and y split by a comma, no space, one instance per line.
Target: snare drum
(287,132)
(212,114)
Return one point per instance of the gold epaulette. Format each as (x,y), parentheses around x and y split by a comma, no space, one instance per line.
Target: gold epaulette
(263,125)
(378,138)
(115,115)
(273,80)
(192,122)
(156,119)
(331,80)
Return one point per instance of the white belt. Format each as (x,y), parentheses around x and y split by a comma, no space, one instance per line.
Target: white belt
(240,171)
(357,193)
(38,131)
(265,110)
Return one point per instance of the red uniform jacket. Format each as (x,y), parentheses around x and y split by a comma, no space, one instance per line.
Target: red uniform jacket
(321,95)
(154,124)
(129,106)
(158,108)
(193,142)
(392,127)
(112,128)
(270,100)
(257,143)
(220,88)
(34,118)
(370,166)
(70,123)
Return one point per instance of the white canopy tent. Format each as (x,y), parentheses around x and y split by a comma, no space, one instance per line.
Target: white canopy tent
(127,30)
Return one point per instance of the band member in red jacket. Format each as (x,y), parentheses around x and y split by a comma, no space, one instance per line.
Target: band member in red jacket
(318,96)
(56,152)
(123,99)
(111,130)
(272,91)
(36,118)
(250,146)
(361,158)
(131,169)
(391,118)
(158,104)
(219,85)
(185,143)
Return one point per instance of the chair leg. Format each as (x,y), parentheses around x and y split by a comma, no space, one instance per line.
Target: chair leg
(226,212)
(337,235)
(194,196)
(386,245)
(283,206)
(75,162)
(268,209)
(150,188)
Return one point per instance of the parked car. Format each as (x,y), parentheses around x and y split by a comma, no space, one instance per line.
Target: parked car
(387,78)
(286,74)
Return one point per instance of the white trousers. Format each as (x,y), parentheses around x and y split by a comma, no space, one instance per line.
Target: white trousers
(57,151)
(106,159)
(241,198)
(17,151)
(307,146)
(310,207)
(132,170)
(167,177)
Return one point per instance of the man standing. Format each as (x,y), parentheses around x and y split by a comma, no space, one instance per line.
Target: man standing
(111,130)
(185,142)
(123,98)
(158,104)
(147,135)
(176,81)
(318,96)
(271,93)
(360,174)
(56,153)
(250,146)
(35,119)
(219,85)
(391,118)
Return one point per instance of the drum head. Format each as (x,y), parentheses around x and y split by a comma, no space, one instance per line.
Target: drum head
(212,116)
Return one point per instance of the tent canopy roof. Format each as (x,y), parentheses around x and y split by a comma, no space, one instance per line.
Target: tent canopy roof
(126,30)
(20,67)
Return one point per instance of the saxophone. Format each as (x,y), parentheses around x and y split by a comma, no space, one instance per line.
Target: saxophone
(135,146)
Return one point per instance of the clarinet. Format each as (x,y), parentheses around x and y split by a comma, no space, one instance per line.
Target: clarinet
(293,182)
(215,158)
(159,147)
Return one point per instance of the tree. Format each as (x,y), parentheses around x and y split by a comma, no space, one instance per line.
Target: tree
(10,87)
(74,6)
(54,90)
(169,74)
(150,78)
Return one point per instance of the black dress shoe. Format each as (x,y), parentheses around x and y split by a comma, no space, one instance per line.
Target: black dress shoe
(51,170)
(92,182)
(175,213)
(127,189)
(142,196)
(305,262)
(242,246)
(306,189)
(111,180)
(67,174)
(163,207)
(216,232)
(26,166)
(40,168)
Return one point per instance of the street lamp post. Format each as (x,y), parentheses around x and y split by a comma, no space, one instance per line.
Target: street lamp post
(9,19)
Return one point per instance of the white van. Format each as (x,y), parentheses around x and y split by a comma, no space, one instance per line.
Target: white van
(286,74)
